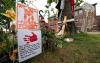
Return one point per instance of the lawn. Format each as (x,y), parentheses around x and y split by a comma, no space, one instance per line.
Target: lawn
(85,49)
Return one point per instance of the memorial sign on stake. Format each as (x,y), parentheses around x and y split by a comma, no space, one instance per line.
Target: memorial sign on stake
(29,34)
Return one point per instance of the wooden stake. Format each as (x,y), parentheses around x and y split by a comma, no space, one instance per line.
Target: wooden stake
(55,25)
(63,27)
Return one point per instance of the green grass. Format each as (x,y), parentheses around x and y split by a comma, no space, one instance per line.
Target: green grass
(85,49)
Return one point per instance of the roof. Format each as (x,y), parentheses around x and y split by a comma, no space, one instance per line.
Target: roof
(86,6)
(78,8)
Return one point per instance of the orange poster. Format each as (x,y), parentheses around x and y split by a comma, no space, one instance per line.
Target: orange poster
(27,17)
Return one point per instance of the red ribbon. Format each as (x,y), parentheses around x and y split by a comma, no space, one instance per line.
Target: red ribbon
(72,6)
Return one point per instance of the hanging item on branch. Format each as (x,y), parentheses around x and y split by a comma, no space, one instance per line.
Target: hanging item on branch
(65,7)
(72,6)
(58,7)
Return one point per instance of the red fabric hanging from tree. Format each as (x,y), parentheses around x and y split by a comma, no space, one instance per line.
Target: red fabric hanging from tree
(72,5)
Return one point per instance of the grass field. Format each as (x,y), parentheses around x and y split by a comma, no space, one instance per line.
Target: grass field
(85,49)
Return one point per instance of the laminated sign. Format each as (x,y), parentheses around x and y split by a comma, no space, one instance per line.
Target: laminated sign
(29,34)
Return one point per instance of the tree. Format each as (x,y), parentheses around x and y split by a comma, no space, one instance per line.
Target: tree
(78,2)
(4,6)
(7,4)
(50,1)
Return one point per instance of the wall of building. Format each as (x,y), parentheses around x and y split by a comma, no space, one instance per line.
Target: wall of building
(87,21)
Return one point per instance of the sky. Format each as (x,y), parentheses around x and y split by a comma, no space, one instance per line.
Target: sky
(40,4)
(97,6)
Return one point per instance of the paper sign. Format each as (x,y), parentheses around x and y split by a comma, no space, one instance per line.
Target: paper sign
(27,17)
(29,44)
(29,35)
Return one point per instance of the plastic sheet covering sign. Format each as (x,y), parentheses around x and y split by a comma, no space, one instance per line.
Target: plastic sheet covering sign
(29,34)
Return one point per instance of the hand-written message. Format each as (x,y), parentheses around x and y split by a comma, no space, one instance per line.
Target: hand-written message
(27,50)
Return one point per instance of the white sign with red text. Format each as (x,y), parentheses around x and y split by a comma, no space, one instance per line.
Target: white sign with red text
(29,34)
(29,44)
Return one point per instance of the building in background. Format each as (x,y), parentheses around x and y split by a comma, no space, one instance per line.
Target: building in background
(86,20)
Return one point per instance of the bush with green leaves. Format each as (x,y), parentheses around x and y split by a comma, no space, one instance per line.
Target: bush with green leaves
(7,42)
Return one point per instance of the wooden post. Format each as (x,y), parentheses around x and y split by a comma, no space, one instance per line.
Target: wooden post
(56,25)
(48,24)
(63,26)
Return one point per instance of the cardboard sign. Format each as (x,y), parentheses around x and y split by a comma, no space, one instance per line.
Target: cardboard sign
(29,35)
